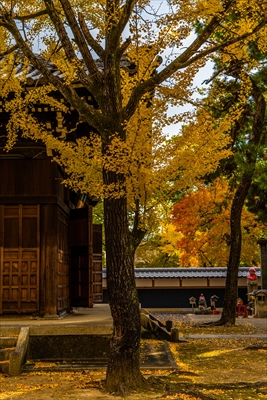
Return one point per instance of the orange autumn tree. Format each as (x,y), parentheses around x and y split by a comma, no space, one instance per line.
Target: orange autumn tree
(202,224)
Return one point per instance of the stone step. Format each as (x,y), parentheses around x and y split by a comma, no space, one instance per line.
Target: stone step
(5,353)
(8,341)
(4,367)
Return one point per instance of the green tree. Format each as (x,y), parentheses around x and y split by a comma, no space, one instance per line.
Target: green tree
(239,96)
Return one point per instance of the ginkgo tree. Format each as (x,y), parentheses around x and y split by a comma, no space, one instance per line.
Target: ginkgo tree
(85,42)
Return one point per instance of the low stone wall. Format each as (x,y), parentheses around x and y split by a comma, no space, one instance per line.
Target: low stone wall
(68,347)
(18,357)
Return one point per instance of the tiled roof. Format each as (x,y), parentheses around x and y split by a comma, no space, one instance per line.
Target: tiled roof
(156,273)
(256,292)
(33,75)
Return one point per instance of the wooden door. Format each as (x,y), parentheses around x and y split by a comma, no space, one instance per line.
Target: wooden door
(19,264)
(85,241)
(97,264)
(63,296)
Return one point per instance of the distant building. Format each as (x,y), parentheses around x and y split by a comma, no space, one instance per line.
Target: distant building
(173,287)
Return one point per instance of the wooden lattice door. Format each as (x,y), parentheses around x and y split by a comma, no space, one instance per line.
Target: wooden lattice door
(19,264)
(97,264)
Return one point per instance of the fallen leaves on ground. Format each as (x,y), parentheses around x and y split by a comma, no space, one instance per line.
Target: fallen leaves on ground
(209,369)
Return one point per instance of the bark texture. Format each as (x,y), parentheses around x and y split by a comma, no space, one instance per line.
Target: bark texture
(123,372)
(228,314)
(231,288)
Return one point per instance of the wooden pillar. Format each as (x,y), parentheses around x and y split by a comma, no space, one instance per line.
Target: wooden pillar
(49,260)
(90,258)
(1,252)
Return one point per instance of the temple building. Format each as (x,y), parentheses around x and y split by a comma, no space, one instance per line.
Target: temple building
(50,252)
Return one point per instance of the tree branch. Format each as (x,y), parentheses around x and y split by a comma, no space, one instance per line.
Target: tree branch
(66,42)
(259,116)
(31,16)
(8,51)
(125,15)
(116,27)
(80,41)
(124,46)
(89,38)
(137,234)
(183,61)
(60,29)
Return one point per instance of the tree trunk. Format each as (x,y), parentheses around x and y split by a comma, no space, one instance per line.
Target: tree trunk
(123,372)
(230,297)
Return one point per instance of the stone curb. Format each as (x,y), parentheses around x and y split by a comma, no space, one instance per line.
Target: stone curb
(70,330)
(170,356)
(17,357)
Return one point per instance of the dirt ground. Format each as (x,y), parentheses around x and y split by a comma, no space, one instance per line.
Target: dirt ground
(209,369)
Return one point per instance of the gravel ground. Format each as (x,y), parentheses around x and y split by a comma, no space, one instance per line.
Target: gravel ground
(175,317)
(260,323)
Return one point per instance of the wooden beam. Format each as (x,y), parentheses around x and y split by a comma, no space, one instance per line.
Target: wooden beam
(49,260)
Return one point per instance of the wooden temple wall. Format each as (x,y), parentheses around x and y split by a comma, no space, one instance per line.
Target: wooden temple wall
(34,268)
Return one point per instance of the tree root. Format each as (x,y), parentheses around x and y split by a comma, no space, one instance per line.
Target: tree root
(195,393)
(229,386)
(256,347)
(124,388)
(215,323)
(184,373)
(157,382)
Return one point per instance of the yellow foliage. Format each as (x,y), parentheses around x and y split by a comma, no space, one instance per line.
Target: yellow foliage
(146,166)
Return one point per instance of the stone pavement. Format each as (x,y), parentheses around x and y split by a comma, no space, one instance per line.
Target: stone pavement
(153,356)
(99,315)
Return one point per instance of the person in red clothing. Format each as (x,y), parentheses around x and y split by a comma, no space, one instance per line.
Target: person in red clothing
(202,301)
(252,283)
(252,274)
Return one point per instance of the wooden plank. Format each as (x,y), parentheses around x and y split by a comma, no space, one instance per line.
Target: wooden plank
(50,261)
(42,258)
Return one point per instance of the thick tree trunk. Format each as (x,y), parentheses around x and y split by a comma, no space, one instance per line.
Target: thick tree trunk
(123,372)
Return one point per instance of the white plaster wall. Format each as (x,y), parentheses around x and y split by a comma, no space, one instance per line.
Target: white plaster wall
(217,282)
(143,283)
(192,282)
(167,282)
